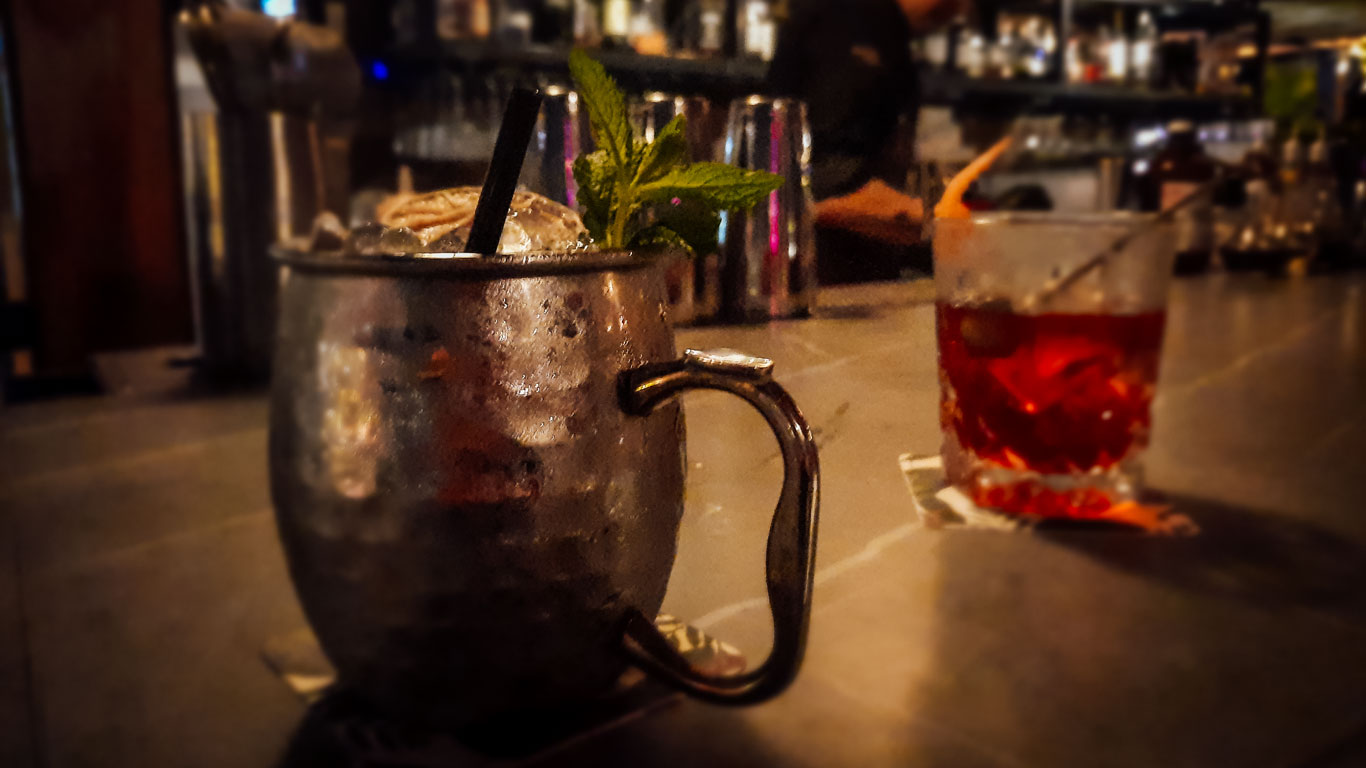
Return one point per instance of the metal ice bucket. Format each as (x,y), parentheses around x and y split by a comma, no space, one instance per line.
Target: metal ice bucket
(477,468)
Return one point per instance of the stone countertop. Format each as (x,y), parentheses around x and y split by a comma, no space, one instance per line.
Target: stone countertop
(143,575)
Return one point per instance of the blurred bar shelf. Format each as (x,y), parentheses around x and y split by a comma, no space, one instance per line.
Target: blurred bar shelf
(977,96)
(725,78)
(715,77)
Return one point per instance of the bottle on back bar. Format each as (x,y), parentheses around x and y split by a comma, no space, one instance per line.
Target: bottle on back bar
(616,23)
(515,21)
(1296,215)
(1327,226)
(462,19)
(1180,169)
(587,23)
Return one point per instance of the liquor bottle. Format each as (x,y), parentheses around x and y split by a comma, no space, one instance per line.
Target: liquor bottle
(1035,44)
(1259,165)
(1327,225)
(1114,56)
(515,20)
(711,36)
(450,21)
(972,52)
(1182,168)
(1000,51)
(462,19)
(1265,242)
(588,23)
(481,18)
(616,23)
(1143,50)
(757,29)
(1296,202)
(647,28)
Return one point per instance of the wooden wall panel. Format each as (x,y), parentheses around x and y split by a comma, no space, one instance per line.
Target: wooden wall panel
(98,149)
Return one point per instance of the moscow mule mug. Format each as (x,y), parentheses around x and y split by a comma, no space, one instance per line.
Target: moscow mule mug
(477,465)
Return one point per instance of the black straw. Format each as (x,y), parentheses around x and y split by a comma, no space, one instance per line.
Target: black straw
(508,151)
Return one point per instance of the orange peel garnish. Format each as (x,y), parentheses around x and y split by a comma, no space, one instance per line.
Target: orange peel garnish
(951,204)
(1152,518)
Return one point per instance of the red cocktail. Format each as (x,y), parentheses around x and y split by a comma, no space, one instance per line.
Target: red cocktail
(1046,398)
(1053,394)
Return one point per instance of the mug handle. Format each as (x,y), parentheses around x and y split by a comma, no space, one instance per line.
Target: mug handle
(790,560)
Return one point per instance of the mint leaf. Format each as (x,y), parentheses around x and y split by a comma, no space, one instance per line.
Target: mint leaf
(633,194)
(693,221)
(657,236)
(596,179)
(606,108)
(723,187)
(667,151)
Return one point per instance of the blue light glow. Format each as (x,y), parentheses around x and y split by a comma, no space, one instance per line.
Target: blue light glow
(278,8)
(379,70)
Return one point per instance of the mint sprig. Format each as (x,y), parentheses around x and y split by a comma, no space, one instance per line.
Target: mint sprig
(668,151)
(635,194)
(595,176)
(606,107)
(725,187)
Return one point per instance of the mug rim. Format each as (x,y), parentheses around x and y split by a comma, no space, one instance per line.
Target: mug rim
(469,265)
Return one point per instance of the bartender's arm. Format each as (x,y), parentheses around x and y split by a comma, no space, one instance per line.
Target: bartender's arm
(875,210)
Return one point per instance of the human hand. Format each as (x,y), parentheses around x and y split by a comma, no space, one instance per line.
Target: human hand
(875,210)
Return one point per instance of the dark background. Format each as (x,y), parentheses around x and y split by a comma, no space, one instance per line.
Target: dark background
(93,95)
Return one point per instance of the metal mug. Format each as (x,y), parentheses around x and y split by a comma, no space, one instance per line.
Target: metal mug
(561,135)
(694,283)
(768,253)
(477,467)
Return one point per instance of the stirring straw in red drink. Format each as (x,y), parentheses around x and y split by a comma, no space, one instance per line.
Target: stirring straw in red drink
(1056,286)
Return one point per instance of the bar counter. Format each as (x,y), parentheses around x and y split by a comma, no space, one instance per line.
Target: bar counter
(143,573)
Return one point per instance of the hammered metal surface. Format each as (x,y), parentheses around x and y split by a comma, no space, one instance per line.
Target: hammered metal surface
(466,510)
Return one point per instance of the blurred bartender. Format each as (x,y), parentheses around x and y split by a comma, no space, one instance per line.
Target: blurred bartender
(850,61)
